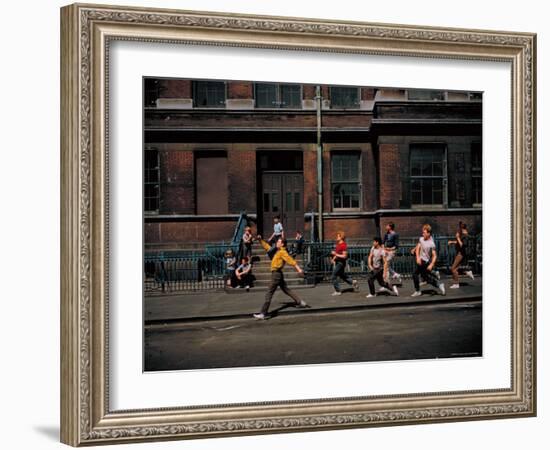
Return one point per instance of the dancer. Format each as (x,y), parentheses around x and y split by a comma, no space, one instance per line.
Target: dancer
(278,261)
(426,257)
(376,265)
(278,231)
(460,244)
(339,258)
(391,244)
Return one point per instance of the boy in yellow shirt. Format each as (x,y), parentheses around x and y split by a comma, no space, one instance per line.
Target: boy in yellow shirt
(278,261)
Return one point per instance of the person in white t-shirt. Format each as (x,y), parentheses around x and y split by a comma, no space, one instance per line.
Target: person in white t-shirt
(426,257)
(278,231)
(376,262)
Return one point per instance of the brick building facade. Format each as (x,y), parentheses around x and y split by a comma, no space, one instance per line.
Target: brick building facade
(213,149)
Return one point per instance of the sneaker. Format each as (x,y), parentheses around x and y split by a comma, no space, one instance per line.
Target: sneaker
(369,296)
(336,293)
(470,274)
(395,291)
(259,316)
(416,294)
(247,287)
(454,286)
(302,304)
(355,285)
(441,288)
(382,289)
(423,283)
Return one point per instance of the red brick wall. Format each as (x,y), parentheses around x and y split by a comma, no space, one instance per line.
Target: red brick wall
(441,225)
(175,89)
(389,172)
(242,180)
(309,92)
(367,93)
(310,180)
(180,233)
(151,233)
(355,228)
(240,90)
(177,194)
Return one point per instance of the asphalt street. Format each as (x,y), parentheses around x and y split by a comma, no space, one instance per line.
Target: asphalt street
(379,333)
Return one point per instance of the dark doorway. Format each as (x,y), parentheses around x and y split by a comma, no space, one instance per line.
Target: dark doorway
(282,191)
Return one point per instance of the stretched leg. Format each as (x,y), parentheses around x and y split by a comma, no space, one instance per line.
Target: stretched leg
(290,293)
(379,274)
(335,275)
(370,281)
(275,279)
(429,276)
(346,276)
(416,275)
(454,267)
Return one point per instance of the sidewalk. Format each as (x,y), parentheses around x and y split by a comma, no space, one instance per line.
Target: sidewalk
(221,305)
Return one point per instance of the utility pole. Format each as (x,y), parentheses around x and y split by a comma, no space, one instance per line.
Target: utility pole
(318,99)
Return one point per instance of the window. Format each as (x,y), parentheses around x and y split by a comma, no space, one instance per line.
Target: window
(151,91)
(475,96)
(151,178)
(211,182)
(426,95)
(344,97)
(209,94)
(346,176)
(273,95)
(428,174)
(477,185)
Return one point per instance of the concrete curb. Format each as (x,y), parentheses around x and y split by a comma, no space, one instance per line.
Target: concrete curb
(287,309)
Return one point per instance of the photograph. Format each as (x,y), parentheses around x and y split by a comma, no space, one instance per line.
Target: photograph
(275,224)
(294,224)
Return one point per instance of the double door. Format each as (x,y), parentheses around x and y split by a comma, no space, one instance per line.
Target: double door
(283,197)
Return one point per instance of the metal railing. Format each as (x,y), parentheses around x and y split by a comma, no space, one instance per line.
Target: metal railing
(182,271)
(200,270)
(318,263)
(191,270)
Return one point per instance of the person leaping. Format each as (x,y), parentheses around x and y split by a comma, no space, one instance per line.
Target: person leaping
(278,261)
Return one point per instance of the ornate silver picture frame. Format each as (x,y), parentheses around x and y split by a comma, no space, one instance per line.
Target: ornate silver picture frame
(87,32)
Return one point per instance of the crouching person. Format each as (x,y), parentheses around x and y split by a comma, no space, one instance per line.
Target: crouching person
(244,274)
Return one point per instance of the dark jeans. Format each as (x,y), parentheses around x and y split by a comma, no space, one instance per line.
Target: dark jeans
(427,275)
(230,276)
(274,239)
(339,271)
(277,280)
(246,280)
(378,275)
(247,250)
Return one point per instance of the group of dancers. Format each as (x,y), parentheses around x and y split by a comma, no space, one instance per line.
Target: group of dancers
(381,256)
(383,252)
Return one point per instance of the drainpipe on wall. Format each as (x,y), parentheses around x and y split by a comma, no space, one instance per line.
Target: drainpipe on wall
(318,99)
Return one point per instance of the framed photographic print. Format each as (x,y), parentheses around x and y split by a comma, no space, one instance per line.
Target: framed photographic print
(267,221)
